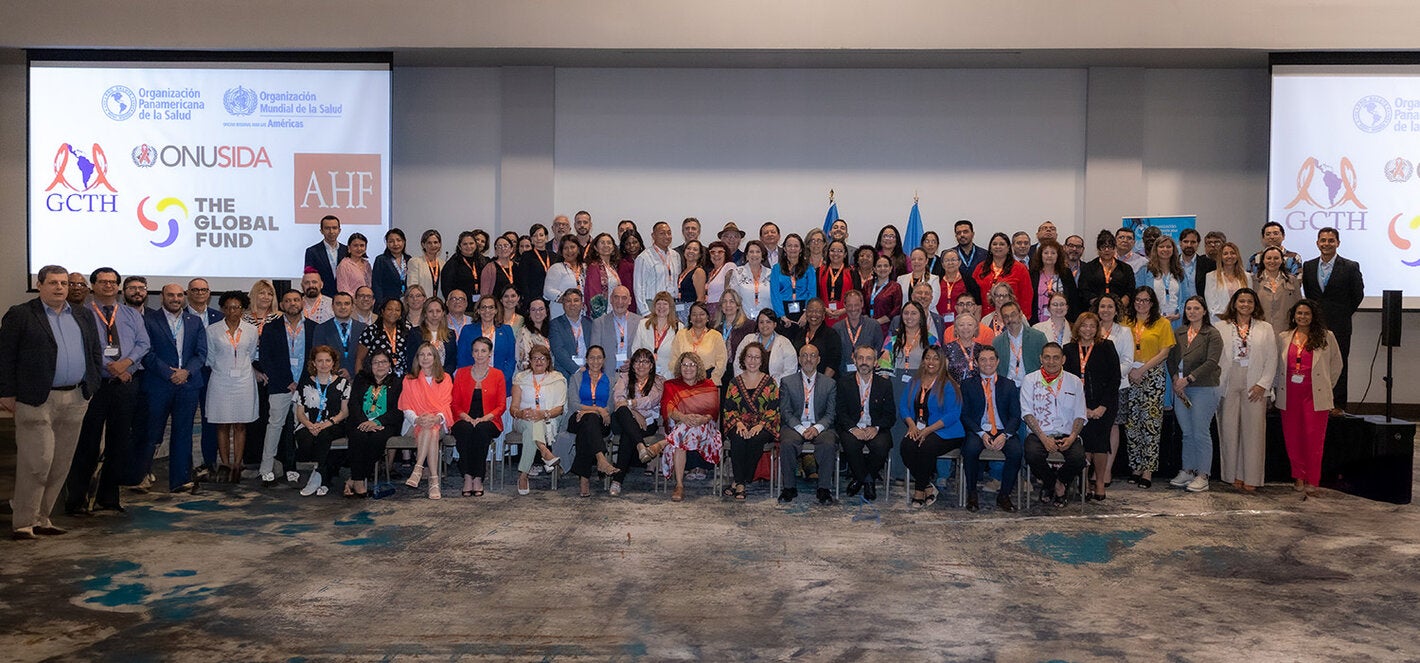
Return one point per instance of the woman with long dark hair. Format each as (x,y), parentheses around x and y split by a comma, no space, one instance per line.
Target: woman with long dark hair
(374,419)
(533,264)
(1001,267)
(1310,363)
(751,413)
(890,244)
(932,412)
(636,403)
(1249,370)
(794,281)
(391,268)
(1153,336)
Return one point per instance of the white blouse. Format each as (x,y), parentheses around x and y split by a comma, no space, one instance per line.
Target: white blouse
(757,294)
(783,360)
(1124,345)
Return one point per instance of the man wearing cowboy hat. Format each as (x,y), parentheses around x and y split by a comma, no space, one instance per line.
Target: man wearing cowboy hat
(731,235)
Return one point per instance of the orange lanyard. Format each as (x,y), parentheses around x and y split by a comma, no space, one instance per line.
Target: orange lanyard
(865,389)
(854,334)
(392,335)
(755,278)
(1192,334)
(665,259)
(922,395)
(966,352)
(1108,271)
(507,271)
(537,391)
(108,323)
(1085,356)
(546,262)
(833,285)
(660,336)
(620,332)
(809,385)
(433,268)
(234,340)
(310,311)
(593,382)
(471,270)
(1105,330)
(996,273)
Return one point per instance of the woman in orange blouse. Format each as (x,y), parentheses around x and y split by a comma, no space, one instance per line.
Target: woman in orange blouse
(426,399)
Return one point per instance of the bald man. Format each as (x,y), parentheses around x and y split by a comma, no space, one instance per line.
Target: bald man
(615,330)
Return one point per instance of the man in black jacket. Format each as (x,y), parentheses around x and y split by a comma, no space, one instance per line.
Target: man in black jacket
(995,427)
(1336,284)
(866,414)
(49,367)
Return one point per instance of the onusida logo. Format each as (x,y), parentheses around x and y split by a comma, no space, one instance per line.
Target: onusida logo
(119,103)
(1371,114)
(239,101)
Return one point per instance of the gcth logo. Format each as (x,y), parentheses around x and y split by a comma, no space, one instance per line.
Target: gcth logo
(80,172)
(1371,114)
(239,101)
(119,102)
(161,208)
(1317,181)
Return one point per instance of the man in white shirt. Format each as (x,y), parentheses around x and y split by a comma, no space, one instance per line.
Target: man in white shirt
(806,413)
(1124,239)
(769,237)
(658,267)
(616,330)
(1053,406)
(1020,247)
(314,305)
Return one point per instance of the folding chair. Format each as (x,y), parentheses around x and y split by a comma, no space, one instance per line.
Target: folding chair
(955,456)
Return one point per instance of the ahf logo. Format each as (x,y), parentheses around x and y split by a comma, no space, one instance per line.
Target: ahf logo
(239,101)
(1371,114)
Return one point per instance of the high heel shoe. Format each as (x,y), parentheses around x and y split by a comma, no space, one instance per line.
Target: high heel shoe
(434,493)
(644,453)
(551,463)
(678,494)
(414,476)
(605,467)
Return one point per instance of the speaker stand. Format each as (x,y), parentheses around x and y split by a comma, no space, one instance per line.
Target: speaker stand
(1389,380)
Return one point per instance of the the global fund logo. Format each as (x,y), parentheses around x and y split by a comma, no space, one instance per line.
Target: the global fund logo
(344,185)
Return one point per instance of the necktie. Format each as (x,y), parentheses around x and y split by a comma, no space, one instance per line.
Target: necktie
(990,404)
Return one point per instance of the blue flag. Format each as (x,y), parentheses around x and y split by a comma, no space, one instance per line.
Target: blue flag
(830,217)
(912,237)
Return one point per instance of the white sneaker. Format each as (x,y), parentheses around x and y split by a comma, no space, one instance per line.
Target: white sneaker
(322,491)
(312,485)
(615,489)
(1198,484)
(293,477)
(1183,479)
(268,477)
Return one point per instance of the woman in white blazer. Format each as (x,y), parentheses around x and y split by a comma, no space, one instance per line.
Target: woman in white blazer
(1249,365)
(1308,366)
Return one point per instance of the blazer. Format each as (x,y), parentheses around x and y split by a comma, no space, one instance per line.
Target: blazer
(317,257)
(28,352)
(385,279)
(415,338)
(946,408)
(1276,305)
(604,334)
(1007,401)
(495,394)
(1343,292)
(1200,359)
(163,353)
(1032,342)
(1100,374)
(1202,266)
(1326,369)
(1092,283)
(1261,367)
(275,356)
(505,349)
(1067,284)
(564,344)
(327,333)
(882,407)
(791,401)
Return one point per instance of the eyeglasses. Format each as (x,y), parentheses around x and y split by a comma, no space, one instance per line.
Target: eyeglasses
(1143,300)
(458,299)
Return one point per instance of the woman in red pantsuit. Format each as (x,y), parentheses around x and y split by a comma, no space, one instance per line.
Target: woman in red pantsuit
(1309,367)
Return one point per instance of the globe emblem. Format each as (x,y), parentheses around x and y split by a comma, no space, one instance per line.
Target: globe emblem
(1371,114)
(79,170)
(145,155)
(1398,170)
(239,101)
(118,103)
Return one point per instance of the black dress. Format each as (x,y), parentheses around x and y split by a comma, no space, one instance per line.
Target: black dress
(1101,378)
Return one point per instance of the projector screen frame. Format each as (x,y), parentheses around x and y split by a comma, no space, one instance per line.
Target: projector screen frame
(373,58)
(1409,302)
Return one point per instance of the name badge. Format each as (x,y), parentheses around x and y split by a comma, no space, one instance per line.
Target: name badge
(852,368)
(579,360)
(1243,362)
(235,373)
(621,357)
(833,306)
(921,426)
(1297,378)
(794,306)
(473,298)
(111,352)
(906,378)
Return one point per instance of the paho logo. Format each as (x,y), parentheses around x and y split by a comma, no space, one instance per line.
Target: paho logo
(161,208)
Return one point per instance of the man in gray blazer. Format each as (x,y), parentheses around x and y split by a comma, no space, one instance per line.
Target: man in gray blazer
(806,413)
(615,330)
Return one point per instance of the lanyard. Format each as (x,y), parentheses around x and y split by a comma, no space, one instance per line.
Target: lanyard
(108,323)
(1108,272)
(1192,334)
(343,330)
(545,262)
(854,334)
(592,386)
(1300,346)
(1243,332)
(966,352)
(755,278)
(1085,356)
(1060,335)
(374,401)
(835,289)
(877,290)
(537,391)
(234,340)
(1059,384)
(402,268)
(620,332)
(293,333)
(472,272)
(665,259)
(507,271)
(433,269)
(175,327)
(922,391)
(324,389)
(577,332)
(311,311)
(809,384)
(660,336)
(865,389)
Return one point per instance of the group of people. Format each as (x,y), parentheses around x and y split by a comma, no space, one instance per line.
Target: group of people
(754,349)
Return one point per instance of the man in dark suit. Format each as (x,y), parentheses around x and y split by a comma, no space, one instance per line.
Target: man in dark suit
(971,255)
(326,254)
(199,298)
(570,334)
(50,360)
(1336,284)
(341,332)
(284,346)
(172,379)
(807,399)
(996,427)
(865,416)
(1196,266)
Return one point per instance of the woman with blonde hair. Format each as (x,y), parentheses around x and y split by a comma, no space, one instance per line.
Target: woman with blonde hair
(658,331)
(1219,286)
(427,402)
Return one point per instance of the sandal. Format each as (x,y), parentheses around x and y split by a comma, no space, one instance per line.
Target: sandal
(729,491)
(917,504)
(740,493)
(1144,483)
(931,497)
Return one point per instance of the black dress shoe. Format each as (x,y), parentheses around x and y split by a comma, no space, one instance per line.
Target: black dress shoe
(972,503)
(50,530)
(110,507)
(23,535)
(870,491)
(825,496)
(787,495)
(185,488)
(854,486)
(1004,503)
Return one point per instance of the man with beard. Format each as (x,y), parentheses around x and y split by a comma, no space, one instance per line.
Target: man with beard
(315,305)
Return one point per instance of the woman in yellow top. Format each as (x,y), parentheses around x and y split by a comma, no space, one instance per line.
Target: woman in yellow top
(698,338)
(1144,411)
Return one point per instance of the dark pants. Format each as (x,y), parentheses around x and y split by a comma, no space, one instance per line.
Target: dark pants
(209,429)
(631,436)
(108,422)
(1036,455)
(1343,343)
(921,458)
(745,453)
(138,438)
(256,430)
(317,448)
(1014,451)
(366,449)
(591,440)
(866,468)
(179,403)
(791,445)
(472,442)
